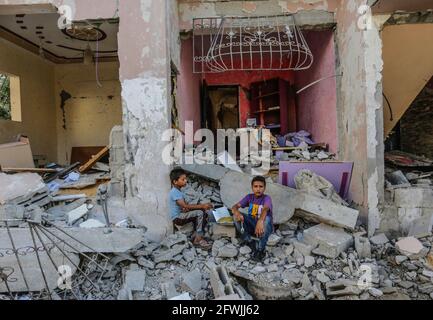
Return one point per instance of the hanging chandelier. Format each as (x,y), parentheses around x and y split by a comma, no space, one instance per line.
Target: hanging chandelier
(249,43)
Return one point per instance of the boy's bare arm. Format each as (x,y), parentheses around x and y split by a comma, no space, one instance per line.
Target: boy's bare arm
(237,214)
(188,207)
(260,226)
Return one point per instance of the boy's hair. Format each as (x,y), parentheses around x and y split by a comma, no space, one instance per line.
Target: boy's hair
(259,179)
(176,173)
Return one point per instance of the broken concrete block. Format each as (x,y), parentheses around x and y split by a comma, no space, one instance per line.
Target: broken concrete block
(31,269)
(113,240)
(303,248)
(183,296)
(17,188)
(91,224)
(309,261)
(234,186)
(135,280)
(409,246)
(413,197)
(186,229)
(273,240)
(220,280)
(219,231)
(245,250)
(191,281)
(379,239)
(210,171)
(146,263)
(400,259)
(292,275)
(228,251)
(229,297)
(164,254)
(362,247)
(342,287)
(329,241)
(169,290)
(421,227)
(171,240)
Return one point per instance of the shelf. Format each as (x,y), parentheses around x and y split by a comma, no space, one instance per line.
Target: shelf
(268,95)
(265,111)
(273,126)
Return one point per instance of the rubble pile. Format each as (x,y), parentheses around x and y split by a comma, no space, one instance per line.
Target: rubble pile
(404,170)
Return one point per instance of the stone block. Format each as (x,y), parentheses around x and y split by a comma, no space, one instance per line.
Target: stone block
(222,231)
(409,246)
(113,240)
(342,287)
(191,281)
(328,241)
(379,239)
(413,198)
(31,269)
(407,216)
(135,280)
(421,227)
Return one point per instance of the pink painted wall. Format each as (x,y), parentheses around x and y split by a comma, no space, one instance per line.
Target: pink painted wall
(317,105)
(244,79)
(188,88)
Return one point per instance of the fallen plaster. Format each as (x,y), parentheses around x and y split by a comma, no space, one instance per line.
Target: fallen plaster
(32,271)
(113,240)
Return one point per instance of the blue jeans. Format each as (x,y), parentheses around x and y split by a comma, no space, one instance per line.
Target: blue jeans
(250,229)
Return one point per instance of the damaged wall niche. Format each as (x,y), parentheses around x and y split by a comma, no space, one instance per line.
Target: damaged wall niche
(92,111)
(37,99)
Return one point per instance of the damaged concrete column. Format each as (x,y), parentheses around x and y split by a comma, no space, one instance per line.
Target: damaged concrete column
(144,56)
(360,122)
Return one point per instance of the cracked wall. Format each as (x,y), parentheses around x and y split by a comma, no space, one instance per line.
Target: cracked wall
(360,109)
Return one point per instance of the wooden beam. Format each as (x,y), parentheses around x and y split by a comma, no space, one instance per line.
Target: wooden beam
(89,164)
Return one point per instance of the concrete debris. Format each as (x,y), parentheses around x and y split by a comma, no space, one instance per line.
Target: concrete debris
(92,223)
(183,296)
(21,188)
(286,201)
(135,278)
(342,287)
(218,231)
(363,248)
(273,240)
(421,227)
(191,281)
(314,184)
(228,251)
(409,246)
(379,239)
(328,241)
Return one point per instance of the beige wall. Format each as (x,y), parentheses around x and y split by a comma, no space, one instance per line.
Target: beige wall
(37,99)
(92,111)
(408,66)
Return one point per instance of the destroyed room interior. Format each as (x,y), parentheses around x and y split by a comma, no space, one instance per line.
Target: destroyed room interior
(84,189)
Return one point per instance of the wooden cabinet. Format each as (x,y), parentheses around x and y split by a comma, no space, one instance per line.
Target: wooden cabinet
(273,105)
